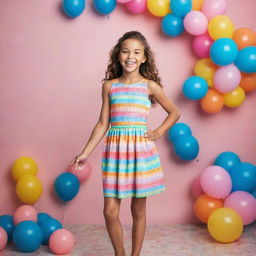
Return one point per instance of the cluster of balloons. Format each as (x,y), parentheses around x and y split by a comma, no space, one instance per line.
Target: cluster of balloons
(29,230)
(185,145)
(226,194)
(28,188)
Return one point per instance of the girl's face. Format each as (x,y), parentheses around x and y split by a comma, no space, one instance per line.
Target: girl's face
(131,55)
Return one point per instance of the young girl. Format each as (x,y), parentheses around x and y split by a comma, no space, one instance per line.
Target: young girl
(130,161)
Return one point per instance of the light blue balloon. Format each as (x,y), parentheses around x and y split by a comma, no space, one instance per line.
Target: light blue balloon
(177,130)
(227,160)
(223,51)
(104,6)
(195,88)
(246,59)
(172,25)
(6,222)
(181,7)
(41,216)
(73,8)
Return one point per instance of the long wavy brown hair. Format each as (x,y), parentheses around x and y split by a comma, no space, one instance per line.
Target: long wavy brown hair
(147,69)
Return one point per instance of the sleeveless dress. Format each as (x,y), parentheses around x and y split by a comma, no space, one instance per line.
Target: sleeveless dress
(130,162)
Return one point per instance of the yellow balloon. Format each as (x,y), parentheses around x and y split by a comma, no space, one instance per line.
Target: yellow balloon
(206,69)
(234,98)
(159,8)
(197,5)
(23,166)
(220,26)
(29,188)
(225,225)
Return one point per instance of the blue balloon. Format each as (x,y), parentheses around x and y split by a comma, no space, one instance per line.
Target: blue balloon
(254,192)
(223,51)
(41,216)
(177,130)
(66,186)
(243,177)
(195,88)
(246,59)
(104,6)
(172,25)
(48,226)
(227,160)
(186,147)
(27,236)
(181,7)
(73,8)
(6,222)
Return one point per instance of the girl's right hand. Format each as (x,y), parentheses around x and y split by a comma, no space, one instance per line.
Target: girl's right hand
(80,159)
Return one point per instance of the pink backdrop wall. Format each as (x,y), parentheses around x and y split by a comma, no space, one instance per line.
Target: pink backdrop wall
(50,96)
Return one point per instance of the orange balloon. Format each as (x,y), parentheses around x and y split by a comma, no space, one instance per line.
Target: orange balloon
(244,37)
(197,4)
(248,82)
(205,205)
(212,102)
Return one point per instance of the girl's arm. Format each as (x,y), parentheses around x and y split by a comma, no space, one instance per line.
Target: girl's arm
(158,94)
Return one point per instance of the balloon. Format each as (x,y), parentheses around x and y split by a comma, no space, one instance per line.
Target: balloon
(158,8)
(205,205)
(213,102)
(195,88)
(66,186)
(6,222)
(234,98)
(23,166)
(213,8)
(243,203)
(29,188)
(24,212)
(61,241)
(172,25)
(223,51)
(243,177)
(246,59)
(104,6)
(254,192)
(27,236)
(3,238)
(195,23)
(41,216)
(178,130)
(186,147)
(244,37)
(181,7)
(216,182)
(248,82)
(73,8)
(82,172)
(201,45)
(227,78)
(206,69)
(225,225)
(227,160)
(123,1)
(196,186)
(220,26)
(197,4)
(136,6)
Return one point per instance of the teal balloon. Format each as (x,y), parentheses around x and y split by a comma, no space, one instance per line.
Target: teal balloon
(73,8)
(246,59)
(172,25)
(41,216)
(104,6)
(227,160)
(6,222)
(178,130)
(181,7)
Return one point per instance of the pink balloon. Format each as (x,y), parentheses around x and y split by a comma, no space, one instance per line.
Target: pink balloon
(202,44)
(244,203)
(24,212)
(82,172)
(196,187)
(227,78)
(216,182)
(137,6)
(212,8)
(61,241)
(195,23)
(3,238)
(123,1)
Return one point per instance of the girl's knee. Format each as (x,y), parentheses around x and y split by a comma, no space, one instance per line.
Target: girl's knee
(110,213)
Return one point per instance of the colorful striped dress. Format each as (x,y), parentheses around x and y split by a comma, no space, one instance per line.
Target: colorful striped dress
(130,162)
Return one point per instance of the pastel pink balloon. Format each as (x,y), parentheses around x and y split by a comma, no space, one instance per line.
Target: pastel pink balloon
(137,6)
(61,241)
(245,205)
(82,172)
(212,8)
(195,23)
(216,182)
(3,238)
(227,78)
(123,1)
(24,212)
(201,45)
(196,187)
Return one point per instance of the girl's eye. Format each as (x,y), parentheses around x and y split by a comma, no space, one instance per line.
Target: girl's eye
(137,52)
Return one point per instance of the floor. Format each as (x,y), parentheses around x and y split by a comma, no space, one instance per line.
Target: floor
(162,240)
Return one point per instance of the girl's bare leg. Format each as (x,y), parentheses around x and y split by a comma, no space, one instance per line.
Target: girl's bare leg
(138,209)
(113,224)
